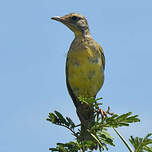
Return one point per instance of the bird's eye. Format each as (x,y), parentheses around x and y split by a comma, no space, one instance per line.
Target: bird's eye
(74,18)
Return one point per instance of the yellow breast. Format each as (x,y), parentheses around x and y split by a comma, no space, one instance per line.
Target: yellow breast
(85,71)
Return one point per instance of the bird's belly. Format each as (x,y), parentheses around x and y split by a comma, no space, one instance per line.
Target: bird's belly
(85,76)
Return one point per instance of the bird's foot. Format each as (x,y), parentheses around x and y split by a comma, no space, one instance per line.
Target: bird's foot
(104,113)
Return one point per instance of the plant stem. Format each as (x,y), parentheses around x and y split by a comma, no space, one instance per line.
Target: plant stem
(68,129)
(124,141)
(96,138)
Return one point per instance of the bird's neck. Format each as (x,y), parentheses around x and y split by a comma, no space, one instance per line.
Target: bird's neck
(83,33)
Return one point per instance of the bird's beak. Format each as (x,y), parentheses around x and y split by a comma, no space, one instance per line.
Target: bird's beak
(62,19)
(57,18)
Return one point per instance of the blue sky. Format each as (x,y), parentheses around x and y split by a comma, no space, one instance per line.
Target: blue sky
(32,67)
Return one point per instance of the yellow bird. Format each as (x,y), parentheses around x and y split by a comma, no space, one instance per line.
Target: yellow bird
(85,65)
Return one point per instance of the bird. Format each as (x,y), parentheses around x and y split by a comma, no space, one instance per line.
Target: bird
(85,64)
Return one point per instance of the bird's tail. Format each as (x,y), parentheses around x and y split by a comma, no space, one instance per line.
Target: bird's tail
(86,116)
(85,113)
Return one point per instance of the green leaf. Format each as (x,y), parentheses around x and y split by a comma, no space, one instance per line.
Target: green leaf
(119,121)
(70,123)
(98,99)
(98,141)
(142,144)
(148,148)
(123,116)
(61,118)
(87,145)
(52,118)
(105,137)
(86,100)
(99,130)
(67,147)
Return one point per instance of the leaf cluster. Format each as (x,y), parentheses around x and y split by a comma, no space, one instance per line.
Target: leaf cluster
(68,147)
(116,121)
(142,144)
(99,131)
(58,119)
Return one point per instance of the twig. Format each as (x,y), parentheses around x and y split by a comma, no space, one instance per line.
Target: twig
(124,141)
(68,129)
(96,138)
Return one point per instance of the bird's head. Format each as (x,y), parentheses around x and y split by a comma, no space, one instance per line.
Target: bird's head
(76,22)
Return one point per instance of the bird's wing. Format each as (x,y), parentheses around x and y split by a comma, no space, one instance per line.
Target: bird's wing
(84,111)
(102,56)
(74,98)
